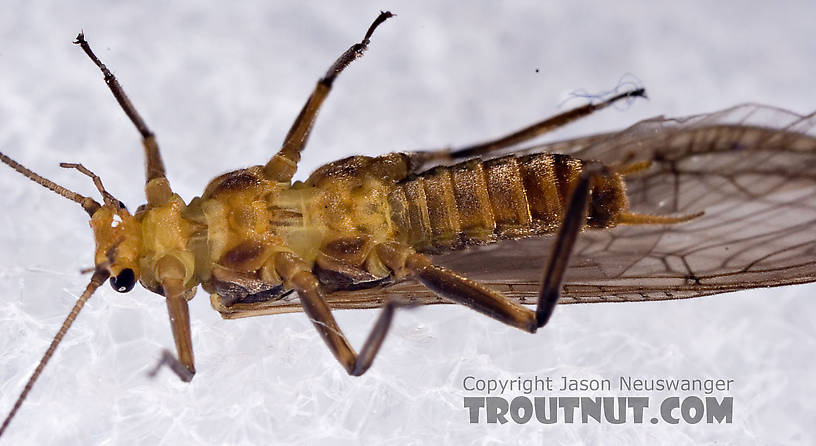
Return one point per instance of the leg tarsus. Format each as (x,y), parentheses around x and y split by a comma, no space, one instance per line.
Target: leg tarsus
(169,360)
(376,337)
(563,244)
(354,52)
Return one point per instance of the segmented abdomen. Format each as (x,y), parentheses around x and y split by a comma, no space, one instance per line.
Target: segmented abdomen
(479,201)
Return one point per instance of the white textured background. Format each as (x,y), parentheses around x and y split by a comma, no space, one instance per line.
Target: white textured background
(220,83)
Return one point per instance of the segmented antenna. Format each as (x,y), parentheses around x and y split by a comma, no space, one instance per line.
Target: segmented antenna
(96,280)
(109,199)
(89,204)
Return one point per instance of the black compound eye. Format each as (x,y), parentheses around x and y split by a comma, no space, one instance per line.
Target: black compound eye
(124,282)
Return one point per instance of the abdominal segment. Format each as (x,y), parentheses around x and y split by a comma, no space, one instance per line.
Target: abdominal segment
(477,202)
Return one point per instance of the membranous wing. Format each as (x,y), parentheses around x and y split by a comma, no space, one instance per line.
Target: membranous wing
(751,169)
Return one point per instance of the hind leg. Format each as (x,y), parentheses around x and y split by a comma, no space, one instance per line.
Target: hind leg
(404,261)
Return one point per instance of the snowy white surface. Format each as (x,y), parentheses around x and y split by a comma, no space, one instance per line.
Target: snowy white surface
(220,84)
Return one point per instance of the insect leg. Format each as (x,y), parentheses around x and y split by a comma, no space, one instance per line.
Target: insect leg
(283,165)
(171,274)
(297,274)
(404,261)
(562,245)
(157,187)
(179,313)
(521,135)
(184,365)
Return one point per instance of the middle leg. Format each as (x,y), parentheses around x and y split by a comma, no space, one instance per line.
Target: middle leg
(299,276)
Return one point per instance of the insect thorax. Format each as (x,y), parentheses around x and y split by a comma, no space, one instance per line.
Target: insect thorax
(332,222)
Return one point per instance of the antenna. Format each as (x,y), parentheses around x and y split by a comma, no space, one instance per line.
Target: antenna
(96,280)
(89,204)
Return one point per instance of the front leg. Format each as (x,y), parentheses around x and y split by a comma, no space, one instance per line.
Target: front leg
(171,276)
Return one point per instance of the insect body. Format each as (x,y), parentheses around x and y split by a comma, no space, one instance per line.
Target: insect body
(345,220)
(363,228)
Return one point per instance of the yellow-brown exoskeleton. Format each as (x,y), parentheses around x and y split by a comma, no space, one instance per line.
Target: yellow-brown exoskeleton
(254,237)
